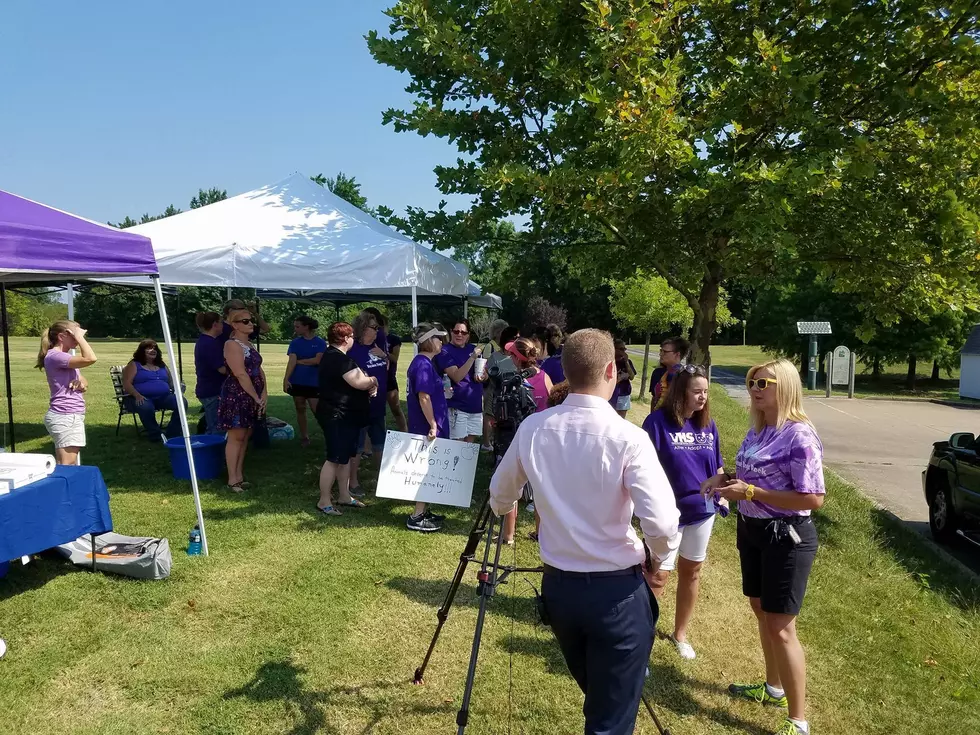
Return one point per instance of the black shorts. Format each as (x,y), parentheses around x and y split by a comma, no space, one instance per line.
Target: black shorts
(340,437)
(303,391)
(392,381)
(774,569)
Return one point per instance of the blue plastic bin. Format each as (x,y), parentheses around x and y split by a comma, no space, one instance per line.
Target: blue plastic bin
(4,568)
(209,456)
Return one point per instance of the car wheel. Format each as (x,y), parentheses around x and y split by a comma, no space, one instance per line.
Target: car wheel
(942,517)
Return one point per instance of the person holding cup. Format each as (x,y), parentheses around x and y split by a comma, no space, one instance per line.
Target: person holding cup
(689,449)
(244,395)
(458,360)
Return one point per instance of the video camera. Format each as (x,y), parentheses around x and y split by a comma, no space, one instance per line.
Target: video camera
(513,401)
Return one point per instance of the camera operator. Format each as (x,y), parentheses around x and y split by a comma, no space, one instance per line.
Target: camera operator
(591,471)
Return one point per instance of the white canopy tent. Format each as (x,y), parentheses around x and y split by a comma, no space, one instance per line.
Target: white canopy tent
(299,237)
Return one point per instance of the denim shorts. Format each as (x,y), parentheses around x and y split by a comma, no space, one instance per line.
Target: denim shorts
(377,431)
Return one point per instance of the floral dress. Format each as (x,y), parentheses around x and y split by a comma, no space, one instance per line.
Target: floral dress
(236,408)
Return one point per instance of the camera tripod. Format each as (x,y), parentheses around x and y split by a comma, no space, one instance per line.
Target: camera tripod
(490,575)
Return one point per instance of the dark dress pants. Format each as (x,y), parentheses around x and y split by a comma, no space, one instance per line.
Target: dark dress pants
(605,627)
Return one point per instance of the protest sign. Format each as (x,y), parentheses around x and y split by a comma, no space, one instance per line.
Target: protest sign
(441,471)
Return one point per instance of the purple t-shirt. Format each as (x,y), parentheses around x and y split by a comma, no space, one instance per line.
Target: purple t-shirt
(789,459)
(422,378)
(209,358)
(375,367)
(63,398)
(552,366)
(467,393)
(689,456)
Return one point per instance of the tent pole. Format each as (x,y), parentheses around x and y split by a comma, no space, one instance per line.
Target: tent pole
(180,356)
(182,413)
(258,318)
(6,367)
(71,305)
(228,293)
(466,307)
(415,314)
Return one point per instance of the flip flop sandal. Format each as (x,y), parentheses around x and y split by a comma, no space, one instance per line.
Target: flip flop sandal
(329,511)
(354,503)
(533,536)
(356,492)
(238,487)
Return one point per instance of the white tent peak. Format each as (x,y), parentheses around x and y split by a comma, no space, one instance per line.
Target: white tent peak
(297,235)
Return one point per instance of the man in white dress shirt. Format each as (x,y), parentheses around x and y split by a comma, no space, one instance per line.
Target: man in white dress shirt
(591,473)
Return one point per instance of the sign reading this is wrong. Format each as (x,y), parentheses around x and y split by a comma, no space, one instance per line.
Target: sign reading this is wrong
(441,471)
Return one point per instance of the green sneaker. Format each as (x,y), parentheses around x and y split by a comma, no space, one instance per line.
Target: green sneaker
(758,693)
(789,728)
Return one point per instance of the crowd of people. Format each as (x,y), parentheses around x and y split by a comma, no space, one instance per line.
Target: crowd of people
(584,472)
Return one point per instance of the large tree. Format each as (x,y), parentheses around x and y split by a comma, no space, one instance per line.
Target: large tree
(712,140)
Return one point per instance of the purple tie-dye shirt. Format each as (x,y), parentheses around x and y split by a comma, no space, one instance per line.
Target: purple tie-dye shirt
(789,459)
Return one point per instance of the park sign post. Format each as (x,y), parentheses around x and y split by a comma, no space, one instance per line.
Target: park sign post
(813,329)
(841,365)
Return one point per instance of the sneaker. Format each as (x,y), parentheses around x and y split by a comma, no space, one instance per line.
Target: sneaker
(435,516)
(486,448)
(684,649)
(422,524)
(757,693)
(791,728)
(530,508)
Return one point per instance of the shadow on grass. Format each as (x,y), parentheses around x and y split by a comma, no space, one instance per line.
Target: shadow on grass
(280,681)
(38,573)
(433,593)
(666,688)
(924,563)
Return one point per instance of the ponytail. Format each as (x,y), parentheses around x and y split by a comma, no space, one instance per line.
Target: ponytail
(50,337)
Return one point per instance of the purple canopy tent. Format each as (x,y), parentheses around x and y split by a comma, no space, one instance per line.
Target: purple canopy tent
(40,244)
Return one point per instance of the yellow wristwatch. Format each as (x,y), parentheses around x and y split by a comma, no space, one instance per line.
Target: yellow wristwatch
(749,492)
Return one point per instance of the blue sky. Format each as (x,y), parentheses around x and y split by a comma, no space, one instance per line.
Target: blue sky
(110,109)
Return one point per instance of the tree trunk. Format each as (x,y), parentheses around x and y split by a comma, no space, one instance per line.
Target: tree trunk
(910,376)
(706,316)
(935,370)
(876,369)
(646,362)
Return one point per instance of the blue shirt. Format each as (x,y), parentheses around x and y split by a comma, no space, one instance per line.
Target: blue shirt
(209,358)
(467,393)
(689,456)
(375,367)
(304,349)
(552,367)
(423,378)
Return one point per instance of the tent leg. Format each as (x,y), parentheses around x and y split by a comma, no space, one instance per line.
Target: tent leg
(258,318)
(466,308)
(415,313)
(71,302)
(180,356)
(6,367)
(182,412)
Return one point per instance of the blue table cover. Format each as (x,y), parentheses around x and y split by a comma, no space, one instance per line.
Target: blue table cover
(71,502)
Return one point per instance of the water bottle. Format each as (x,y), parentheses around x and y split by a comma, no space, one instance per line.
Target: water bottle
(194,542)
(447,387)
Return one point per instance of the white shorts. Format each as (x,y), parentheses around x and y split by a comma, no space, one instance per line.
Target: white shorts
(462,424)
(694,544)
(66,429)
(623,403)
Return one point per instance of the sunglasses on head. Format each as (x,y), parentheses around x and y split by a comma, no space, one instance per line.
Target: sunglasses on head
(460,332)
(761,383)
(696,370)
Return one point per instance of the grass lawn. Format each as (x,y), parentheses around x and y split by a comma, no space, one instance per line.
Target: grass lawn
(738,359)
(301,624)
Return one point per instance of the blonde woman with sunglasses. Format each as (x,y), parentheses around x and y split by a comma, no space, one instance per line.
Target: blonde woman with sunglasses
(778,483)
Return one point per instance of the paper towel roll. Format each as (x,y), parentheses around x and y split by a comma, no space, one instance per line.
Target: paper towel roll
(43,462)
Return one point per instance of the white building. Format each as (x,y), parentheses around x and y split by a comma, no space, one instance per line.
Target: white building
(970,366)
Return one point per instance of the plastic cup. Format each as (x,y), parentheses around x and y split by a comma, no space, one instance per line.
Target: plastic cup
(480,365)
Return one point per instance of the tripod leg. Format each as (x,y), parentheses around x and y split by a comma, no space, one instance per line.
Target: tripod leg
(488,583)
(476,533)
(660,728)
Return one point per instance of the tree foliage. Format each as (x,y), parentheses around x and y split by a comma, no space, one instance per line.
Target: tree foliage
(712,140)
(32,310)
(204,198)
(346,187)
